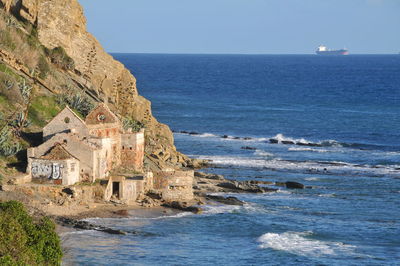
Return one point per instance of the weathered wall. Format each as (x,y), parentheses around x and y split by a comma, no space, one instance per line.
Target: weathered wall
(79,149)
(64,122)
(132,150)
(59,172)
(175,185)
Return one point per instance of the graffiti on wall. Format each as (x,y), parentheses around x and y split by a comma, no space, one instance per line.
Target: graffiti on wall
(47,170)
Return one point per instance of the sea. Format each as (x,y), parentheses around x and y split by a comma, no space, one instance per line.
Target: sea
(335,126)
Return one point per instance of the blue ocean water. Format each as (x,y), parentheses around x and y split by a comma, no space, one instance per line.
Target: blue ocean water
(348,107)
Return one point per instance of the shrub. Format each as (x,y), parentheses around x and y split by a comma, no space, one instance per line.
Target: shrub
(7,146)
(60,58)
(78,102)
(24,241)
(43,67)
(6,40)
(129,122)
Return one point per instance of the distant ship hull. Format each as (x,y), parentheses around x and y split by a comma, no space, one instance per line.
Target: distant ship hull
(333,52)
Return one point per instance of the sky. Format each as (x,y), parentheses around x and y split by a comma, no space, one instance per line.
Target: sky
(244,26)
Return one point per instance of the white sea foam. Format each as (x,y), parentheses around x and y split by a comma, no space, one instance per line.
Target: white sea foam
(263,153)
(206,135)
(310,149)
(312,179)
(312,167)
(216,209)
(300,244)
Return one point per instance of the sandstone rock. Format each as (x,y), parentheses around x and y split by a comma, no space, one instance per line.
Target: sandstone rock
(62,23)
(244,186)
(208,176)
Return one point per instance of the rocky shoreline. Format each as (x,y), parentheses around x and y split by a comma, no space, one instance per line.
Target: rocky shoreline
(205,187)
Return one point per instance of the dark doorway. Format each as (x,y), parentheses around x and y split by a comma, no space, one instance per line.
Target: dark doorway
(115,189)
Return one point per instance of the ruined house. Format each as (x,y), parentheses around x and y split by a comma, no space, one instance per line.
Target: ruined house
(76,150)
(99,143)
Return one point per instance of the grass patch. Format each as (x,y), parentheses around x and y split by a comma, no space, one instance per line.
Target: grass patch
(5,69)
(43,109)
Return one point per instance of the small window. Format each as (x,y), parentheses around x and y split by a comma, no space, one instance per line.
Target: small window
(101,117)
(67,120)
(72,167)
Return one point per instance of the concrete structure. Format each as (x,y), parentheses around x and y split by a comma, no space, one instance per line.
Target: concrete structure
(97,145)
(128,188)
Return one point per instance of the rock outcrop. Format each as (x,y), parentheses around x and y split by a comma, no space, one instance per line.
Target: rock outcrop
(62,23)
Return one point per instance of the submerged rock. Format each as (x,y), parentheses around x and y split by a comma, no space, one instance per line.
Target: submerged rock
(244,186)
(288,142)
(227,200)
(182,206)
(248,148)
(294,185)
(84,225)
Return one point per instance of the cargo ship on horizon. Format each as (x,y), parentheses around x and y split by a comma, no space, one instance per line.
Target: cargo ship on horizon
(323,50)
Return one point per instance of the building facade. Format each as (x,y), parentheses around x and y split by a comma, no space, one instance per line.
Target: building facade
(98,144)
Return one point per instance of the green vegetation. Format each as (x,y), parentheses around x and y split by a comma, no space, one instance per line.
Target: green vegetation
(60,58)
(43,67)
(5,69)
(8,146)
(77,102)
(24,241)
(7,40)
(42,109)
(130,123)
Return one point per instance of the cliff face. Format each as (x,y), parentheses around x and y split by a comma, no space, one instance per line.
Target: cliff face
(62,23)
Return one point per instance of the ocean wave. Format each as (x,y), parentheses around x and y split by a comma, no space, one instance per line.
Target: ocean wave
(216,209)
(263,153)
(281,139)
(298,243)
(309,167)
(310,149)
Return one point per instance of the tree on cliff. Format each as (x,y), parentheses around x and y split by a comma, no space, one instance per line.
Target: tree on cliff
(24,241)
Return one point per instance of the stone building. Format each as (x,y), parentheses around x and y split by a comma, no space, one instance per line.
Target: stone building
(99,144)
(174,185)
(76,150)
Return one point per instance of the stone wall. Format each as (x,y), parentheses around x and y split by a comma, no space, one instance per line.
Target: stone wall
(132,150)
(64,122)
(89,156)
(58,172)
(175,185)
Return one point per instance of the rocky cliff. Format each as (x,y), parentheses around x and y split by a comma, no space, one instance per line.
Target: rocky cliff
(61,23)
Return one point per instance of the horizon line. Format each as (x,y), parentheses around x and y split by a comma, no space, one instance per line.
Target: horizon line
(169,53)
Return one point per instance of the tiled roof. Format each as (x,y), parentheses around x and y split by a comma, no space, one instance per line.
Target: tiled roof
(57,152)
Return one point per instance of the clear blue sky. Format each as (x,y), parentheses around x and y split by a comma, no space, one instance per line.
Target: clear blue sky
(244,26)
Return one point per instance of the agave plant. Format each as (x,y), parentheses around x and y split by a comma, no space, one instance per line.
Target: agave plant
(20,121)
(80,103)
(8,84)
(7,147)
(135,125)
(25,89)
